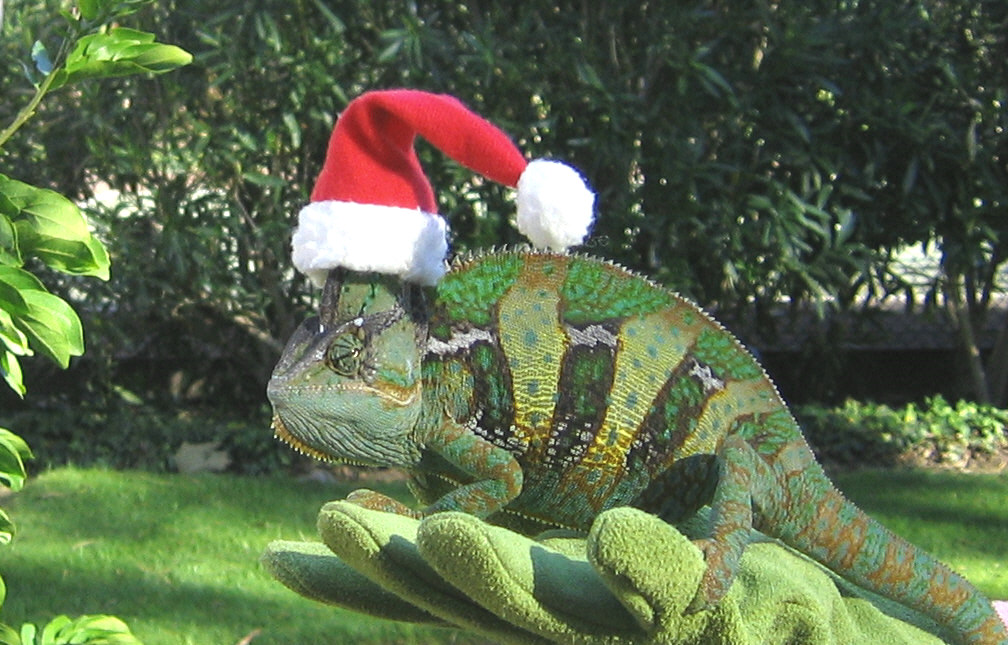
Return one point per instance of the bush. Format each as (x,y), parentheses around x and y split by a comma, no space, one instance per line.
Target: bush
(933,433)
(127,435)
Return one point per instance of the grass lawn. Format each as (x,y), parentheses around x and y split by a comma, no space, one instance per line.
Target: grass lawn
(177,556)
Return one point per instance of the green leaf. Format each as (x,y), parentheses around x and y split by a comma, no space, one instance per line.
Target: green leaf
(52,327)
(77,257)
(264,180)
(28,632)
(7,207)
(121,52)
(7,531)
(10,252)
(9,635)
(48,212)
(96,630)
(52,631)
(43,223)
(13,453)
(88,9)
(10,368)
(20,279)
(11,300)
(11,337)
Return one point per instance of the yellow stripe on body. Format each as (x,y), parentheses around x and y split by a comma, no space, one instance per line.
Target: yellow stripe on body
(650,348)
(735,399)
(534,345)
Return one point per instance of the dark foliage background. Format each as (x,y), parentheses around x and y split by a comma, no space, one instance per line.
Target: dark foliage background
(746,154)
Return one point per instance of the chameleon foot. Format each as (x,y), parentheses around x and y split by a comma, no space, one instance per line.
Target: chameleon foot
(378,502)
(717,577)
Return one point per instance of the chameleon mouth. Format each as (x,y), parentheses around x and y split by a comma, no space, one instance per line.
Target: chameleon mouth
(281,432)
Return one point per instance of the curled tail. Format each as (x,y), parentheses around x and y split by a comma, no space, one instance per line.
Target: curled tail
(847,541)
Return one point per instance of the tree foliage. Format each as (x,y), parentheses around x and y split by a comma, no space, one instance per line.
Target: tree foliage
(744,153)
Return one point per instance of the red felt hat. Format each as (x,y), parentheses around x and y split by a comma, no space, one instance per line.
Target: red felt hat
(373,209)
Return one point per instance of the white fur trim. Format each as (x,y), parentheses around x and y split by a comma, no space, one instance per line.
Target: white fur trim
(369,237)
(555,205)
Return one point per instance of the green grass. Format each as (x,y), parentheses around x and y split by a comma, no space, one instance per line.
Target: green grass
(177,556)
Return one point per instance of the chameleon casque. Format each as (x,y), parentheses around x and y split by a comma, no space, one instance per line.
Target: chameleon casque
(537,390)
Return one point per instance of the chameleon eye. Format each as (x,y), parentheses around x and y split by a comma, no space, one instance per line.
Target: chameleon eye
(344,354)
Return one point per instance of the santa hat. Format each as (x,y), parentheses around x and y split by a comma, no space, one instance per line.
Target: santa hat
(372,208)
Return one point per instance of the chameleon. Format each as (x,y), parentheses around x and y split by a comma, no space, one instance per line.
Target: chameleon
(537,389)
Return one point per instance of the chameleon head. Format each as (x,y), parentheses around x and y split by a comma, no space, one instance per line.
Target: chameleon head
(347,387)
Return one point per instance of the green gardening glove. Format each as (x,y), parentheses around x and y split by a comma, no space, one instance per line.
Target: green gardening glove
(629,581)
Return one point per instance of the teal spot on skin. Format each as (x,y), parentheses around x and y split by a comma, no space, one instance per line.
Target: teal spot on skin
(537,307)
(530,338)
(631,400)
(533,387)
(652,351)
(548,359)
(637,364)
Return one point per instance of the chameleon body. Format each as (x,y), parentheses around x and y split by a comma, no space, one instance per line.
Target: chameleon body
(537,390)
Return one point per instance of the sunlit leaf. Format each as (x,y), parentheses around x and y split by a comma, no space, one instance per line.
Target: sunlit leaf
(13,452)
(52,327)
(9,635)
(28,633)
(20,279)
(48,212)
(10,368)
(88,629)
(10,251)
(121,52)
(78,257)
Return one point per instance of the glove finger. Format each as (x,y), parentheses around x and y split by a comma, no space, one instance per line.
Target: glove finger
(311,569)
(652,568)
(382,547)
(524,582)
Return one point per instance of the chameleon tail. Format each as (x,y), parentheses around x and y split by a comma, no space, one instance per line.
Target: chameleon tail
(845,539)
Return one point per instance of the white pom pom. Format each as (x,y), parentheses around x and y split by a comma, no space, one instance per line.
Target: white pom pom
(555,205)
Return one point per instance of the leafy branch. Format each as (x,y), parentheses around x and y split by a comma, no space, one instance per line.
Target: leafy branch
(41,225)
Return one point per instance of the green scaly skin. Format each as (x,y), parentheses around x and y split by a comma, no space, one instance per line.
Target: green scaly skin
(537,390)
